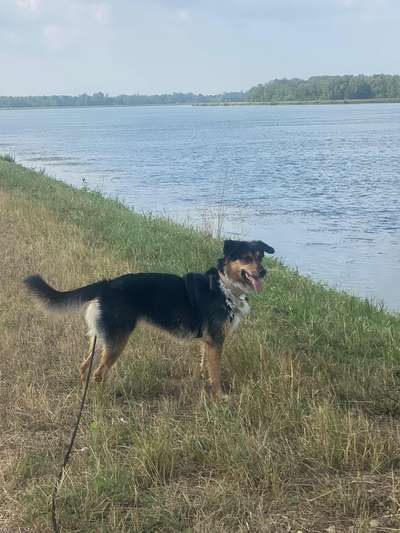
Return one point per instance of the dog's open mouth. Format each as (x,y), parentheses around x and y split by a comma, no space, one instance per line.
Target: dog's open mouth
(253,280)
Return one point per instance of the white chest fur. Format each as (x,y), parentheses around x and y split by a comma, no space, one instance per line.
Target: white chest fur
(238,306)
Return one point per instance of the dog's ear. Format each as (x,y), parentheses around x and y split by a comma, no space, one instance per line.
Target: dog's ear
(265,247)
(232,248)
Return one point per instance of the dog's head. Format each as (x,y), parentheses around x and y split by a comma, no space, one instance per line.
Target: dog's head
(242,263)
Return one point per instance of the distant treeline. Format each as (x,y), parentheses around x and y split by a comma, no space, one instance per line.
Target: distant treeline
(101,99)
(316,88)
(327,88)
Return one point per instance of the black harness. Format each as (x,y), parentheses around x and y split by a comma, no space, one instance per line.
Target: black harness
(207,299)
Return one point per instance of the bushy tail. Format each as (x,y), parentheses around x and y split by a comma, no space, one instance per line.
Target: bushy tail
(63,301)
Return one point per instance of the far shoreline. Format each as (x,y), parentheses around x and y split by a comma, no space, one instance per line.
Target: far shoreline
(304,102)
(221,104)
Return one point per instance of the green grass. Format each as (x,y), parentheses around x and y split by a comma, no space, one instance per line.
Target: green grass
(7,157)
(308,439)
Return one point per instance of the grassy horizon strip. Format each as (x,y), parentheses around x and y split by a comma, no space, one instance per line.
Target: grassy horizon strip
(308,439)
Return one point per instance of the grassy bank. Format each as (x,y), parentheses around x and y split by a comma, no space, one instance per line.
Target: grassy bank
(309,438)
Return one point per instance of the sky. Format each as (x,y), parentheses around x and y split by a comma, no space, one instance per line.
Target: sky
(207,46)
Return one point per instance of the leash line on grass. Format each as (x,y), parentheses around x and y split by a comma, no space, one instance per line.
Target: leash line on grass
(56,527)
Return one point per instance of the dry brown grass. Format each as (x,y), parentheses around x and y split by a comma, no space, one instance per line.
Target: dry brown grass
(309,439)
(40,392)
(40,354)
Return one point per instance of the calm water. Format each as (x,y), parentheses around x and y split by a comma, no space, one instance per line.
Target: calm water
(319,183)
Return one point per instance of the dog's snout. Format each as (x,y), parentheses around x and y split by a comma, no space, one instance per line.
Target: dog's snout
(262,273)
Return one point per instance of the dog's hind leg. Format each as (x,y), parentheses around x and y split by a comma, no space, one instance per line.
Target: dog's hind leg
(202,362)
(109,354)
(92,317)
(85,364)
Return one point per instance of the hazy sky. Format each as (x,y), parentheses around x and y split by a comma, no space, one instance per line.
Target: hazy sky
(209,46)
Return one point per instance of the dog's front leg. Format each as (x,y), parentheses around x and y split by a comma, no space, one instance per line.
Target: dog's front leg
(212,355)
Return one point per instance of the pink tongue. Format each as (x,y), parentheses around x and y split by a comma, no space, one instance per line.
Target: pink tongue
(257,285)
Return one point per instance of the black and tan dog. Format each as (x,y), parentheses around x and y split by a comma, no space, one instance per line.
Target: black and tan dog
(206,306)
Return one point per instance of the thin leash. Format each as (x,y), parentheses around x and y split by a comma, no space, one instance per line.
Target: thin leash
(56,527)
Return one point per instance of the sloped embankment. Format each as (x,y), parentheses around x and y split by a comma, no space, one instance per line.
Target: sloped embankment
(308,439)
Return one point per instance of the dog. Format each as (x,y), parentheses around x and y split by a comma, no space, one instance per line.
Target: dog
(205,306)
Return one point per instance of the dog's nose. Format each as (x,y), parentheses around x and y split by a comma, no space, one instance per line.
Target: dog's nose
(262,273)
